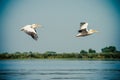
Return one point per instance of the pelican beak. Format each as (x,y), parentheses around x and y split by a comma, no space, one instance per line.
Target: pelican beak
(38,25)
(95,31)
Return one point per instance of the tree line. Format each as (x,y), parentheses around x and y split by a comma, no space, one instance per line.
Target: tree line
(106,53)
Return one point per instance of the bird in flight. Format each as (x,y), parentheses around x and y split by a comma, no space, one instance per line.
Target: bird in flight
(84,31)
(31,30)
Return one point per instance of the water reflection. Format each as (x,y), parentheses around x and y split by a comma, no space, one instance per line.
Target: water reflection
(59,70)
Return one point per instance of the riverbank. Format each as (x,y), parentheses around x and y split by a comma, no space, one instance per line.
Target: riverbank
(72,56)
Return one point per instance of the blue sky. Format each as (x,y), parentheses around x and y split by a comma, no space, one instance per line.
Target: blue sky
(61,19)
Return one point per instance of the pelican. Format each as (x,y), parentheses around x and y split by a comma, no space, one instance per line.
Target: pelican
(31,30)
(84,31)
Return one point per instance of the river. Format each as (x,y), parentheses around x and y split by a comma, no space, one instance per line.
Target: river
(59,70)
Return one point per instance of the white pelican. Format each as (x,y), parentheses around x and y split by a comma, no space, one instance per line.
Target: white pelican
(31,30)
(84,31)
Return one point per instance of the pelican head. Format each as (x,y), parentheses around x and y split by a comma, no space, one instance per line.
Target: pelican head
(83,23)
(35,26)
(91,31)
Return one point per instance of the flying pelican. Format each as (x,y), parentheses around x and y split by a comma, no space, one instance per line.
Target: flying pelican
(31,30)
(84,31)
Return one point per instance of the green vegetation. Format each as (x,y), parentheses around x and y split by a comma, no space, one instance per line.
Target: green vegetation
(106,53)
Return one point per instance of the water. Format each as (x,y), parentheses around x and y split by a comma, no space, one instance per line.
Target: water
(59,70)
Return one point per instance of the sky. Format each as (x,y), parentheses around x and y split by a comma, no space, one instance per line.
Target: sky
(61,19)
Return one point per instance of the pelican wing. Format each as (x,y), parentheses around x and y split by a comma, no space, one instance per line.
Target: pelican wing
(33,35)
(83,31)
(34,26)
(83,25)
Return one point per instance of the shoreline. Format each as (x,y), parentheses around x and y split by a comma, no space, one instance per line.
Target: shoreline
(71,59)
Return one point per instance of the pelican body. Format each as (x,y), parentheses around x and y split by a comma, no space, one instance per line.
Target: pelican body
(84,31)
(31,30)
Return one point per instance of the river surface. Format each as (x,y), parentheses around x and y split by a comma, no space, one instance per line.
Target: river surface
(59,70)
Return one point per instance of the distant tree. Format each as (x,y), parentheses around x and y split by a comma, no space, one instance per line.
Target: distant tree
(50,52)
(83,52)
(91,51)
(30,52)
(93,55)
(112,48)
(109,49)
